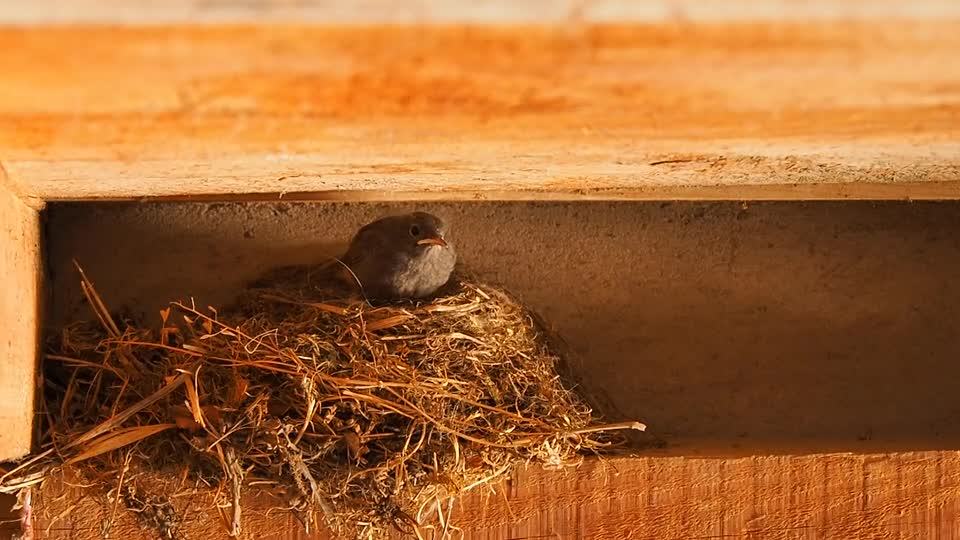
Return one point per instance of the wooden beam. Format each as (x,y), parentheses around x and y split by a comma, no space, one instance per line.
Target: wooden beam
(797,497)
(728,111)
(912,495)
(905,191)
(20,266)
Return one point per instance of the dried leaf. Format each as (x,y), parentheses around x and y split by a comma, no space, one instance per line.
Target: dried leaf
(183,418)
(353,443)
(239,391)
(329,307)
(211,413)
(388,322)
(117,439)
(122,417)
(194,401)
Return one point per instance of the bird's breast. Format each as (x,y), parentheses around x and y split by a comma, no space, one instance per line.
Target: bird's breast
(424,274)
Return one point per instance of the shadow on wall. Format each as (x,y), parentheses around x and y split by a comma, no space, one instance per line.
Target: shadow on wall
(778,327)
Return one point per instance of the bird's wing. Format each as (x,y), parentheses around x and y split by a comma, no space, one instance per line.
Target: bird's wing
(370,259)
(364,247)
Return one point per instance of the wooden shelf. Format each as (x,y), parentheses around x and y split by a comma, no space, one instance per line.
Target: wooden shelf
(805,497)
(826,110)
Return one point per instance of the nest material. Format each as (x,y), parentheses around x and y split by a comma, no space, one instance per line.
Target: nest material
(364,418)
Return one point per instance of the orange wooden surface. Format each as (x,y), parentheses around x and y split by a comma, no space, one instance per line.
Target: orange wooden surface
(779,110)
(19,320)
(826,496)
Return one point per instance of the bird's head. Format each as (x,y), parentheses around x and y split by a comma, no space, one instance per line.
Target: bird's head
(424,231)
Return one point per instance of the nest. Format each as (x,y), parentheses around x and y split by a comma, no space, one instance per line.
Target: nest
(361,418)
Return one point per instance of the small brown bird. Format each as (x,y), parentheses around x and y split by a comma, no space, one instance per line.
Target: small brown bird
(401,257)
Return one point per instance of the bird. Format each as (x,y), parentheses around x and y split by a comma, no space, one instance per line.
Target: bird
(396,257)
(401,257)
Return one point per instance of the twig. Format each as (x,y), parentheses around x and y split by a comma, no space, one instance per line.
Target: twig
(24,502)
(446,522)
(639,426)
(123,473)
(99,308)
(235,473)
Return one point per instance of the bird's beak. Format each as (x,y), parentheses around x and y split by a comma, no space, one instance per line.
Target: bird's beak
(435,241)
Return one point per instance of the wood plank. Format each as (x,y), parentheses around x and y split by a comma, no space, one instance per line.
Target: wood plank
(912,495)
(446,11)
(627,111)
(854,191)
(798,497)
(19,319)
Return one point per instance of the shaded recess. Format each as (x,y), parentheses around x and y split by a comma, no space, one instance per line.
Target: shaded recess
(745,329)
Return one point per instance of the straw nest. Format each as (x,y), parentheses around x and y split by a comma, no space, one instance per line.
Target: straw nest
(366,419)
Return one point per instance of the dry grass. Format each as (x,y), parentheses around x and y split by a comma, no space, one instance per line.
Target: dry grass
(363,418)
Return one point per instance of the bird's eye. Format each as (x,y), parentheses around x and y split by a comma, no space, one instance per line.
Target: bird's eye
(414,230)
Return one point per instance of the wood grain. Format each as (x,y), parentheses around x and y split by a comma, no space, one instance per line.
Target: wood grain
(811,497)
(778,110)
(776,497)
(19,320)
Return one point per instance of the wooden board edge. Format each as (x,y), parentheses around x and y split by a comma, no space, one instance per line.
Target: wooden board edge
(914,191)
(805,497)
(20,317)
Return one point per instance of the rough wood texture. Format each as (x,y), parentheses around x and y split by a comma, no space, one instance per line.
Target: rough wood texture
(19,321)
(902,496)
(777,110)
(827,496)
